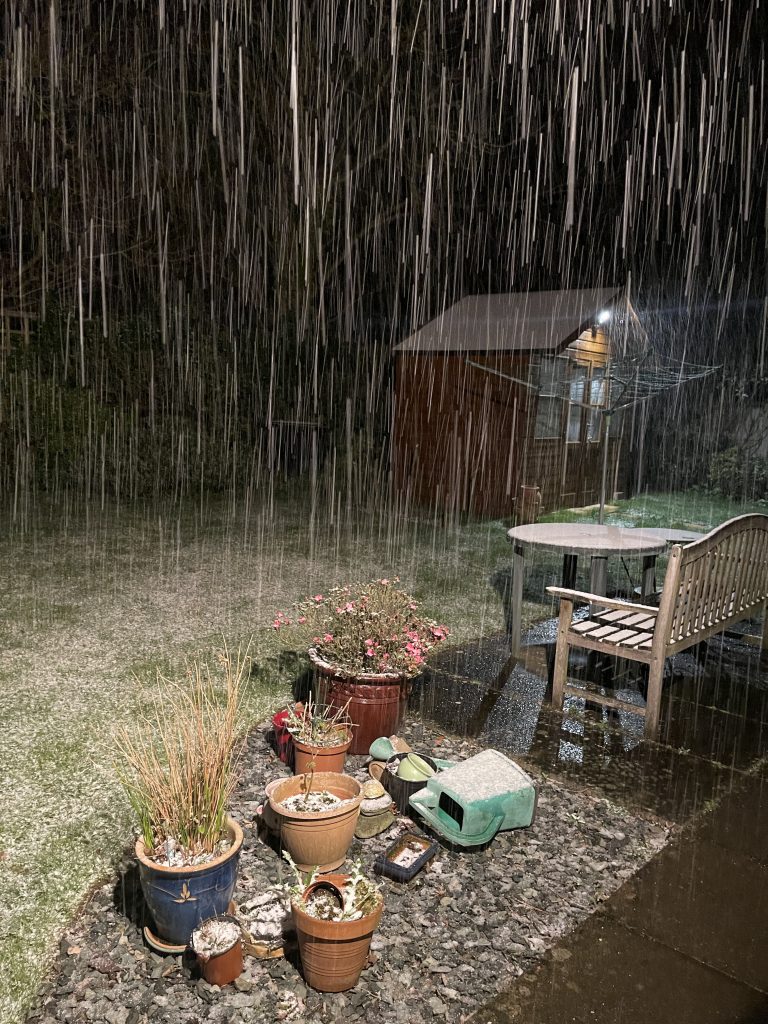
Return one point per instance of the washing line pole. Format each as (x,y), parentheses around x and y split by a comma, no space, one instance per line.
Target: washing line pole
(606,434)
(604,480)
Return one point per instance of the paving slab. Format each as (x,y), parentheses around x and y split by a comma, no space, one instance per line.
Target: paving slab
(706,901)
(671,783)
(609,974)
(740,823)
(733,738)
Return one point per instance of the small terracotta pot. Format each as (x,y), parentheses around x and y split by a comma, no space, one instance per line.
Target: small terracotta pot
(326,759)
(223,968)
(318,838)
(334,953)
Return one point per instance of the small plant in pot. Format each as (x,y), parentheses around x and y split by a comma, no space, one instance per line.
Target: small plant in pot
(366,642)
(321,736)
(218,945)
(179,768)
(335,917)
(315,816)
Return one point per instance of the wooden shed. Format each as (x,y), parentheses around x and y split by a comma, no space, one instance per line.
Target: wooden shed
(498,403)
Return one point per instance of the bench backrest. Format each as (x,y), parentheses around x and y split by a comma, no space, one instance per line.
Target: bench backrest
(715,580)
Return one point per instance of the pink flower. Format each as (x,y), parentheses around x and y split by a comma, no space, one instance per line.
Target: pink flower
(328,638)
(302,619)
(318,597)
(369,652)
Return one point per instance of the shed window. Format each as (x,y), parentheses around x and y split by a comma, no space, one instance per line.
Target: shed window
(576,396)
(548,417)
(549,407)
(597,396)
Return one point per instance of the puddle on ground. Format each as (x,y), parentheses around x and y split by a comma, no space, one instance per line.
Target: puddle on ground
(714,719)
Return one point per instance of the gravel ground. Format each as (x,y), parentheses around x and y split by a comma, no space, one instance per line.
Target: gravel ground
(458,933)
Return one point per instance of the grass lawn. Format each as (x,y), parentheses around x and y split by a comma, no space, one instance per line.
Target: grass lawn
(680,510)
(94,602)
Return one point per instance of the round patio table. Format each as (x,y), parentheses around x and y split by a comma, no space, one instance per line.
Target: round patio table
(574,539)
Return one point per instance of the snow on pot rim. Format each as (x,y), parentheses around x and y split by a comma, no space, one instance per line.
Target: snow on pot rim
(358,675)
(325,781)
(326,800)
(215,936)
(233,840)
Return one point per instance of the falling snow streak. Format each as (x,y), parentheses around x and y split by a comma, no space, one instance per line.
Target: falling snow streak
(264,197)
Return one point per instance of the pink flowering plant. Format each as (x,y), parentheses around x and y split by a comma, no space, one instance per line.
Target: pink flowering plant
(372,627)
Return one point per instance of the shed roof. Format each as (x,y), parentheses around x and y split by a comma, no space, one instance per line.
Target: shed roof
(512,321)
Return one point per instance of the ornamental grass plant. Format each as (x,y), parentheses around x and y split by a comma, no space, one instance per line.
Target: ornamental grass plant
(371,627)
(181,765)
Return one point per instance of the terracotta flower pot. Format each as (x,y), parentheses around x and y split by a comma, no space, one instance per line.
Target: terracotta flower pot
(326,759)
(318,838)
(377,701)
(225,968)
(334,953)
(180,898)
(222,968)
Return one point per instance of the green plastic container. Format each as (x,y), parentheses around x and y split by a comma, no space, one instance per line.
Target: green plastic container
(470,803)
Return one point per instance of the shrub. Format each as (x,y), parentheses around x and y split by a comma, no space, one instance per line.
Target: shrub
(737,473)
(372,627)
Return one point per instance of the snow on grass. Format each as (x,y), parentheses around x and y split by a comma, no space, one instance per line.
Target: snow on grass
(92,607)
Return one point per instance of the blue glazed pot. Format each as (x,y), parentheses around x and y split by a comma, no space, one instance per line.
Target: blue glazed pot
(179,899)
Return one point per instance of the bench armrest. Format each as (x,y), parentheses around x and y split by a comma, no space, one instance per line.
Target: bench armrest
(581,597)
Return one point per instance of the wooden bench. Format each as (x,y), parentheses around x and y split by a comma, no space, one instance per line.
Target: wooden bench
(708,585)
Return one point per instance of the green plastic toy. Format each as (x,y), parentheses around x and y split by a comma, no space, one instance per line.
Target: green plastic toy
(469,803)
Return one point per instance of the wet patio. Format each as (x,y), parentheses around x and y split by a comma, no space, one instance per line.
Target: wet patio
(683,940)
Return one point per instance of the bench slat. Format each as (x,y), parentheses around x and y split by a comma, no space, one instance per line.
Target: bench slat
(616,637)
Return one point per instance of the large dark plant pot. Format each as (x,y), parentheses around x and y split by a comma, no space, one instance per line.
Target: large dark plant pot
(377,702)
(179,899)
(334,953)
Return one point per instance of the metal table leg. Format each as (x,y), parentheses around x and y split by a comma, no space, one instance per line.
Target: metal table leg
(518,569)
(648,585)
(598,575)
